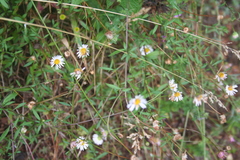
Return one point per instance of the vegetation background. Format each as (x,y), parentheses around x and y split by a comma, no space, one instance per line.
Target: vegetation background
(193,41)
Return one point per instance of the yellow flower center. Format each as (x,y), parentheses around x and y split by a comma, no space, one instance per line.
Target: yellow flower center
(230,88)
(146,50)
(83,51)
(76,29)
(57,61)
(62,16)
(77,70)
(137,101)
(177,94)
(199,97)
(221,75)
(172,86)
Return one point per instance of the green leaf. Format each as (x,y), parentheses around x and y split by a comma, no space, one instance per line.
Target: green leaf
(109,3)
(116,52)
(9,97)
(153,31)
(131,5)
(106,68)
(84,25)
(101,155)
(217,62)
(20,105)
(64,103)
(28,64)
(153,55)
(113,86)
(83,129)
(4,3)
(23,89)
(4,134)
(29,6)
(36,114)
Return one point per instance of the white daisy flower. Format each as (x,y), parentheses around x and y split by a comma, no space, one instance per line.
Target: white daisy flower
(176,96)
(58,61)
(146,50)
(173,86)
(77,73)
(83,51)
(221,76)
(198,100)
(231,90)
(23,130)
(97,139)
(81,143)
(136,102)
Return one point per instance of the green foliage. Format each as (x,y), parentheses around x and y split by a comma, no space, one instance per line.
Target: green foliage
(56,107)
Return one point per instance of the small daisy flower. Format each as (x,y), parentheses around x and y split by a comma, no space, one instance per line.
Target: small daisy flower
(83,51)
(136,102)
(146,50)
(81,143)
(97,139)
(231,90)
(173,86)
(23,130)
(198,100)
(77,73)
(57,61)
(221,76)
(176,96)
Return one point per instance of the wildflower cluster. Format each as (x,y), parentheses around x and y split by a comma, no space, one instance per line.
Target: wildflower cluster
(176,95)
(230,89)
(58,61)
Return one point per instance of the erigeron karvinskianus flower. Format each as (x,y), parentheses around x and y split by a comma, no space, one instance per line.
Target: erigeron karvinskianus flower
(173,86)
(97,139)
(77,73)
(81,143)
(146,50)
(176,96)
(83,51)
(23,130)
(57,61)
(231,90)
(135,103)
(221,76)
(198,100)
